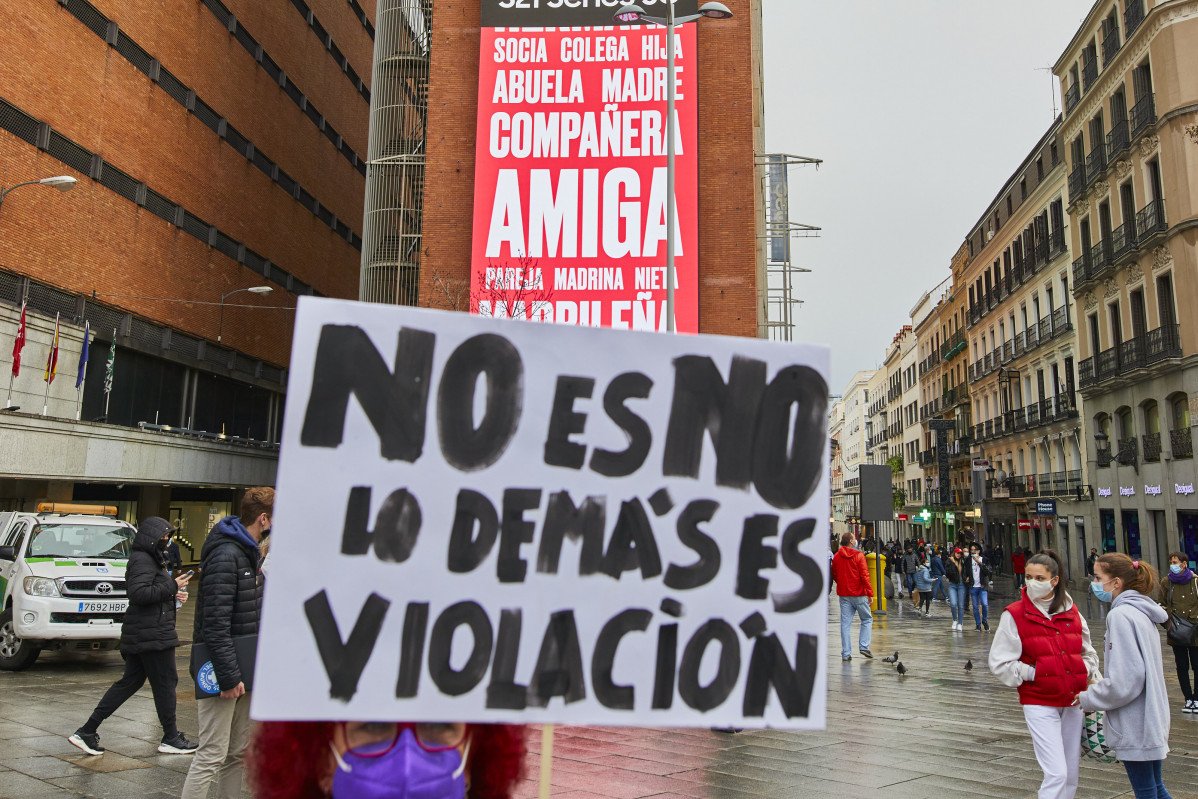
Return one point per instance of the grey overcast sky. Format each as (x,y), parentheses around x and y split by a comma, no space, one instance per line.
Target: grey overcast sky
(921,110)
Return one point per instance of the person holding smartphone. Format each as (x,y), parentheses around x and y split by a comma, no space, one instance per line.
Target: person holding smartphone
(148,641)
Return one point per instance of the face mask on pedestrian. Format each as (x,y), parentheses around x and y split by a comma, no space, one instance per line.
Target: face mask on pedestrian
(1039,590)
(406,772)
(162,543)
(1175,568)
(1097,586)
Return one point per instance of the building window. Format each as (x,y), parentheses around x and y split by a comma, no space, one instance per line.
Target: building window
(1023,187)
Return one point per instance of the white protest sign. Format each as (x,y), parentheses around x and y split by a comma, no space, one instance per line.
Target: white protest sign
(497,521)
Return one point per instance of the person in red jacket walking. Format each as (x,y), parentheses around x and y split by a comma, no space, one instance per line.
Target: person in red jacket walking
(851,575)
(1042,647)
(1018,564)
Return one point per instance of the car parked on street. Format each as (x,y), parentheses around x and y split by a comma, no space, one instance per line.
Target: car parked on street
(62,581)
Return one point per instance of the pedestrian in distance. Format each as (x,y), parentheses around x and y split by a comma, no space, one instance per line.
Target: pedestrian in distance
(1132,689)
(174,560)
(937,568)
(379,760)
(910,564)
(895,563)
(851,575)
(1090,562)
(148,641)
(954,572)
(1179,595)
(923,587)
(1018,562)
(1042,647)
(228,607)
(977,577)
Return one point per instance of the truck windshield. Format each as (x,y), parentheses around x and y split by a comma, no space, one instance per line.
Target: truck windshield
(80,541)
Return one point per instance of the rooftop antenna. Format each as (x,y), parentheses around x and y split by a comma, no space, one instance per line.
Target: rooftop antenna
(1052,88)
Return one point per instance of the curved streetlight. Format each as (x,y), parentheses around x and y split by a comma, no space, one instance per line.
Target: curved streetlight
(630,14)
(60,182)
(223,297)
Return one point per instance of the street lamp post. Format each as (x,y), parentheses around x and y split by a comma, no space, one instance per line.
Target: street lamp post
(633,13)
(252,290)
(61,182)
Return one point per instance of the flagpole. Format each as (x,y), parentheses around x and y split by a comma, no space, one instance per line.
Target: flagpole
(18,345)
(8,401)
(82,376)
(108,374)
(51,363)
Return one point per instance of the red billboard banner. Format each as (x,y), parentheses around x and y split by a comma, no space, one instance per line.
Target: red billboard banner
(570,170)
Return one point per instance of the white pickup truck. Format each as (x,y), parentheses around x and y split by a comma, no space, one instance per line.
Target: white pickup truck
(62,581)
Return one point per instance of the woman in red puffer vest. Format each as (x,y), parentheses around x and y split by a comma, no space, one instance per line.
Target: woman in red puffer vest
(1042,647)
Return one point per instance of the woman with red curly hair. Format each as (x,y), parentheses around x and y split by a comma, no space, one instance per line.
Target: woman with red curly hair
(385,760)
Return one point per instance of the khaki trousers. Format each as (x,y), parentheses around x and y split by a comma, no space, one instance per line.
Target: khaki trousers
(224,733)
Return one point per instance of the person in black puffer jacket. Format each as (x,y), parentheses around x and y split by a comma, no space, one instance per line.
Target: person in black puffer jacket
(148,640)
(229,602)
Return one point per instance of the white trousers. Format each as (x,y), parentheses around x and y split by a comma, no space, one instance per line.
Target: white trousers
(1057,737)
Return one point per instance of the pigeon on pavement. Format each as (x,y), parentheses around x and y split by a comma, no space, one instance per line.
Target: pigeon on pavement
(892,659)
(969,665)
(902,669)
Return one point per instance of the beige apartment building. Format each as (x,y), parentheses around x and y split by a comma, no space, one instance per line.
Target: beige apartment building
(1130,83)
(1022,330)
(944,397)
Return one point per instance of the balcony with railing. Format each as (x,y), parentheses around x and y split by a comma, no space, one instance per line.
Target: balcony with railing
(1095,163)
(1103,457)
(1089,71)
(1033,414)
(1152,447)
(1133,16)
(1056,242)
(1073,96)
(1143,114)
(1150,222)
(1123,243)
(1129,450)
(1111,44)
(1181,443)
(1100,260)
(955,345)
(1162,344)
(1131,354)
(1081,269)
(1077,182)
(1117,141)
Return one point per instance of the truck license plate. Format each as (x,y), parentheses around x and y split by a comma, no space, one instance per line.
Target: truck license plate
(103,607)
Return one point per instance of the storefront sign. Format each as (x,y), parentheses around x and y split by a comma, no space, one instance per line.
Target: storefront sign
(570,168)
(1127,491)
(980,465)
(1025,524)
(492,521)
(902,517)
(1184,490)
(1152,491)
(1046,507)
(1104,492)
(1079,521)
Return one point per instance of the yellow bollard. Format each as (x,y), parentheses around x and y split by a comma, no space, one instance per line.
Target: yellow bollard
(877,572)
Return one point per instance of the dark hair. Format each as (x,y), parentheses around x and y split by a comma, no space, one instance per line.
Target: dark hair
(1183,557)
(1051,561)
(1137,575)
(846,539)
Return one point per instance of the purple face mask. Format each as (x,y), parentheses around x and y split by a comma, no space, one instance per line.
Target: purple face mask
(406,772)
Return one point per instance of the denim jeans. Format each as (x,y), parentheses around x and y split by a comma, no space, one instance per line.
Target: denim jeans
(981,599)
(1146,780)
(850,605)
(956,598)
(1019,580)
(910,582)
(939,590)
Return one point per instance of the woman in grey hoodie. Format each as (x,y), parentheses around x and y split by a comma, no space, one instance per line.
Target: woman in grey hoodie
(1132,691)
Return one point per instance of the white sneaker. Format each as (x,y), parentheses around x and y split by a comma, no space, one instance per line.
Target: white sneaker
(1191,706)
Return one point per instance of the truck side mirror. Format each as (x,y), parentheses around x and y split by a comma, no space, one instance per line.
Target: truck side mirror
(8,553)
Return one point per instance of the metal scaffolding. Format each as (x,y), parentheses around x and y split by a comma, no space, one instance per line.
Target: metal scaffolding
(780,270)
(391,226)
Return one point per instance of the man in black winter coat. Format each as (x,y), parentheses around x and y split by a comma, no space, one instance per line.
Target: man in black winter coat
(229,602)
(148,641)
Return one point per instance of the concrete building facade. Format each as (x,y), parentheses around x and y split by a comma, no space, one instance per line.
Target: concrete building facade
(1130,80)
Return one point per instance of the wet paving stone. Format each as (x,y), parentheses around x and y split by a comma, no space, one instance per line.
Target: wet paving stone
(938,732)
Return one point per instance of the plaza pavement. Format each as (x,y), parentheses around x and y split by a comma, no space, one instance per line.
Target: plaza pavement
(939,731)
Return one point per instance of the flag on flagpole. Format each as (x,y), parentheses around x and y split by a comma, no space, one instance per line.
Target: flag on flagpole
(87,334)
(108,368)
(52,359)
(18,345)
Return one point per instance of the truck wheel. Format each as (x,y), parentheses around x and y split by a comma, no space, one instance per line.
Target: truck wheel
(16,654)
